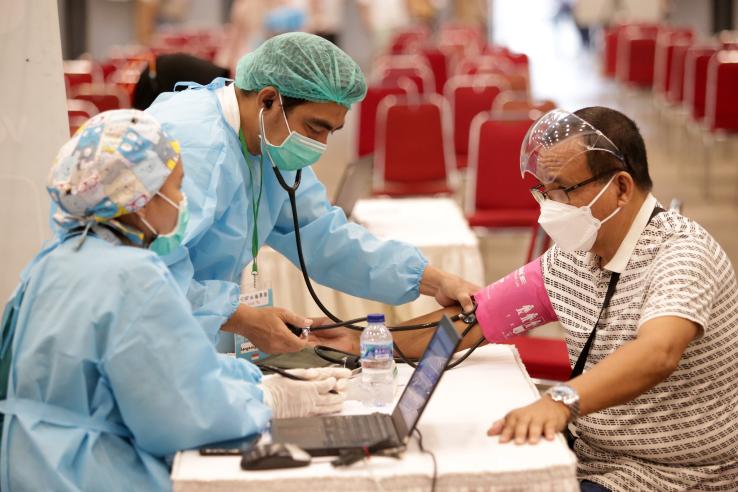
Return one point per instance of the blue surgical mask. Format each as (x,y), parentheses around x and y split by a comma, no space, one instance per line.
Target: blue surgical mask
(297,150)
(164,244)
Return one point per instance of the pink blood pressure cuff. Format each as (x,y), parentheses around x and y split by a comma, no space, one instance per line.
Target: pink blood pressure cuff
(514,304)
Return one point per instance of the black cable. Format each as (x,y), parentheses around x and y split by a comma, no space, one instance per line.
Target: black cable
(433,457)
(468,318)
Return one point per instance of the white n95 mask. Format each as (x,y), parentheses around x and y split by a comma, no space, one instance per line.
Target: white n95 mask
(572,228)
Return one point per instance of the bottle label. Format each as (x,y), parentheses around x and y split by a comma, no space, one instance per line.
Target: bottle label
(376,351)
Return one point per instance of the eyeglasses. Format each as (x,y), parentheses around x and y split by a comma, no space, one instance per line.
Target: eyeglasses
(561,195)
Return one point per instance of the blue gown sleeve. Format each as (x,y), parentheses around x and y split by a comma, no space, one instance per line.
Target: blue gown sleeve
(343,255)
(173,390)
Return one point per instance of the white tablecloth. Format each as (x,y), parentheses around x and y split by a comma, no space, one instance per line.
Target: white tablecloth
(435,225)
(468,399)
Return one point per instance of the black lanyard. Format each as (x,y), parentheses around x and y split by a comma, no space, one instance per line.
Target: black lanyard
(579,365)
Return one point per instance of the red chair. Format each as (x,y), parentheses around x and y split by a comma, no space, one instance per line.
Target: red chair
(438,65)
(404,71)
(511,103)
(78,112)
(675,93)
(636,56)
(413,150)
(695,79)
(104,96)
(721,105)
(408,40)
(545,359)
(468,96)
(496,195)
(666,43)
(367,116)
(77,72)
(610,51)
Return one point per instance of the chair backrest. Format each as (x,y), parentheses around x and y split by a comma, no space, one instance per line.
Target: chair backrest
(721,105)
(610,51)
(367,117)
(666,43)
(494,180)
(675,93)
(104,96)
(81,108)
(636,56)
(78,72)
(469,95)
(413,140)
(695,79)
(408,40)
(438,62)
(397,70)
(516,104)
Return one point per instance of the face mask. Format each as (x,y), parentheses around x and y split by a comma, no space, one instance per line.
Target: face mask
(297,150)
(164,244)
(572,228)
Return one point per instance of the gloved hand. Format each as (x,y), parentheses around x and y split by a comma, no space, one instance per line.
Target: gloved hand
(289,398)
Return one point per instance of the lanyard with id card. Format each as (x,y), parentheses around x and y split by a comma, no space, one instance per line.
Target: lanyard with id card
(258,294)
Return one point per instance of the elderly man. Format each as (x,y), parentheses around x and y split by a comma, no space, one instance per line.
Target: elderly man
(241,143)
(649,302)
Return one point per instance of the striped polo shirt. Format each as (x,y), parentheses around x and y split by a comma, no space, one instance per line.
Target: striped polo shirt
(683,433)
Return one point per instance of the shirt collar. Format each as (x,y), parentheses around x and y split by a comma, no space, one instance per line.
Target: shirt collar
(618,262)
(229,106)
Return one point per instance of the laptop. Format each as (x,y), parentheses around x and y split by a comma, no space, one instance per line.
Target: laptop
(328,435)
(355,184)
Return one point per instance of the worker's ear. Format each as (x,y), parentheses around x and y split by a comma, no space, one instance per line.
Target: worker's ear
(267,96)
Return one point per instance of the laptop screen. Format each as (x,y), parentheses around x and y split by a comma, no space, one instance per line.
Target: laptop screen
(425,377)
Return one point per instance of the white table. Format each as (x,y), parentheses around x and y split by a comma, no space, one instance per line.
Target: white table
(468,399)
(435,225)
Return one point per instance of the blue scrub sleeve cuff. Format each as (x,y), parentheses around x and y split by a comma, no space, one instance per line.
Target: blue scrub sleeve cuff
(418,271)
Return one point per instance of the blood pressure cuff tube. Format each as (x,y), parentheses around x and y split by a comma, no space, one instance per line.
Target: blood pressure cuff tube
(514,304)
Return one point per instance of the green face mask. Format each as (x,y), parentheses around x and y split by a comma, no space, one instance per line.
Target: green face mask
(297,150)
(164,244)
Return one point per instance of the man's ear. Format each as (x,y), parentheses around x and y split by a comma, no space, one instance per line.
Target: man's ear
(266,97)
(625,187)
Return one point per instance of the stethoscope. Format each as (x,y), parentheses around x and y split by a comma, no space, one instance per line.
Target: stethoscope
(469,318)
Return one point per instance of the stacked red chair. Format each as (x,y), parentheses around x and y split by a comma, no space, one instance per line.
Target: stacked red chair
(468,96)
(496,196)
(367,116)
(413,154)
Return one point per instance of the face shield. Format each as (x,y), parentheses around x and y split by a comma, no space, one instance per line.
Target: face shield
(557,138)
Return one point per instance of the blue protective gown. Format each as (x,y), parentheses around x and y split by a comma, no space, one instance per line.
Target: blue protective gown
(339,254)
(110,374)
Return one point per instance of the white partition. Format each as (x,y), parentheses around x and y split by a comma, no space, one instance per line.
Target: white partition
(33,125)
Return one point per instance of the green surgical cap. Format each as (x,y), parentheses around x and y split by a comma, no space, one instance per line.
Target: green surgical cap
(303,66)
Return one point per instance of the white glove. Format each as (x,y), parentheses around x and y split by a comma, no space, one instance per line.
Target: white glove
(289,398)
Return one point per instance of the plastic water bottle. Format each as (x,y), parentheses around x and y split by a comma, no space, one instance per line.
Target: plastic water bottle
(377,362)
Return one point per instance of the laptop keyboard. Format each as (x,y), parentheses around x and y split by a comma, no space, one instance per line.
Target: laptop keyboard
(357,430)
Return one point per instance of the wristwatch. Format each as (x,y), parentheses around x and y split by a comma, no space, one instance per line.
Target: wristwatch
(567,395)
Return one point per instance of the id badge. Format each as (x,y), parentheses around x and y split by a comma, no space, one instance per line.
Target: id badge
(257,298)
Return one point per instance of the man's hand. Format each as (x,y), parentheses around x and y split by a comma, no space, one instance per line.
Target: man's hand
(447,289)
(338,338)
(542,418)
(265,328)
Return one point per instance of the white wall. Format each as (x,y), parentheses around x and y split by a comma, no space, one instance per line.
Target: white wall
(33,125)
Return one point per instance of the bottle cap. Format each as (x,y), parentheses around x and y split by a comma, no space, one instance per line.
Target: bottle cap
(375,318)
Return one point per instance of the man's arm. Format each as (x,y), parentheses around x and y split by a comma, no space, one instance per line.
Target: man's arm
(412,343)
(628,372)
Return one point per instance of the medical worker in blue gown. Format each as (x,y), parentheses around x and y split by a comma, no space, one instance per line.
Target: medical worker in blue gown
(104,371)
(289,95)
